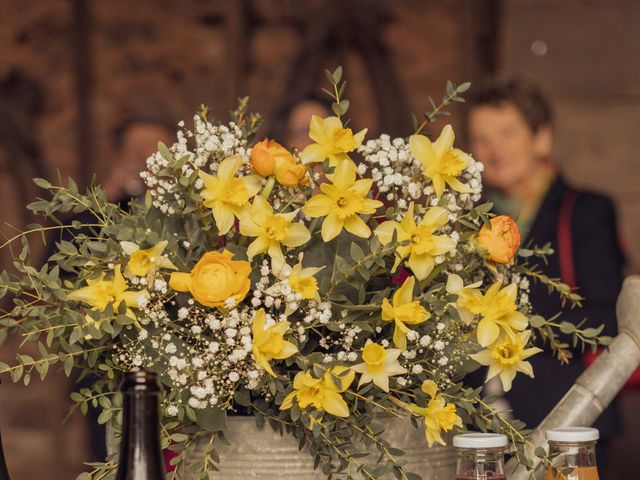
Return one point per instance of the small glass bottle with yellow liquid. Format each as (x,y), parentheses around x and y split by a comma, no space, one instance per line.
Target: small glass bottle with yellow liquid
(573,452)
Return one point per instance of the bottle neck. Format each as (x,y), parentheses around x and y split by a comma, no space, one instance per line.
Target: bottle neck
(141,457)
(4,472)
(576,455)
(480,464)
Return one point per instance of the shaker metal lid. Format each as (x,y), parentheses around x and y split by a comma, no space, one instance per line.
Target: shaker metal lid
(573,434)
(480,440)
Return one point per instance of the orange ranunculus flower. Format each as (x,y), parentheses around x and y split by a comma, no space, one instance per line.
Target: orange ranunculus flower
(501,240)
(214,279)
(264,155)
(290,172)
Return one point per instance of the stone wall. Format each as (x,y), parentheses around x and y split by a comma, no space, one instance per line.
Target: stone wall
(162,58)
(584,53)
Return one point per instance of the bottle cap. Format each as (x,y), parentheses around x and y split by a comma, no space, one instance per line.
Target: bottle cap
(140,380)
(573,434)
(480,440)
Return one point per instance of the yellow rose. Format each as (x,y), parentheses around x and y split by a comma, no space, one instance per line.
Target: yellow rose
(264,155)
(290,172)
(214,279)
(501,240)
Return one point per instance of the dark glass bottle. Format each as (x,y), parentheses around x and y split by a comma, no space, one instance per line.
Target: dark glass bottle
(141,457)
(4,472)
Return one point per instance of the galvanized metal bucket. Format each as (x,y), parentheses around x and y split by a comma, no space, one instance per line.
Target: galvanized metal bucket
(262,454)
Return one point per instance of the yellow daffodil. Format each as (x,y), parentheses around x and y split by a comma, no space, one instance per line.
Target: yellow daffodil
(497,309)
(440,161)
(142,262)
(273,230)
(438,415)
(225,194)
(455,285)
(341,202)
(379,364)
(423,244)
(403,311)
(506,357)
(321,393)
(302,281)
(100,293)
(268,343)
(332,141)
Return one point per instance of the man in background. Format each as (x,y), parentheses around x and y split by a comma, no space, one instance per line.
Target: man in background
(509,126)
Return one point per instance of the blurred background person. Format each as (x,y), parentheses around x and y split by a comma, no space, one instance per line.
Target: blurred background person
(509,125)
(291,126)
(135,140)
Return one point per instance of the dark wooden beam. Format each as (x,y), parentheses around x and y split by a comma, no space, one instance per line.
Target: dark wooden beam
(84,88)
(237,49)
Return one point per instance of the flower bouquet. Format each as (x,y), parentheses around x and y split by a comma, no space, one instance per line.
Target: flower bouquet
(318,290)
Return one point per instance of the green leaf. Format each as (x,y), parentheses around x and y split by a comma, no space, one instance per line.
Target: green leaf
(164,151)
(42,183)
(211,419)
(463,87)
(536,321)
(337,75)
(567,327)
(356,252)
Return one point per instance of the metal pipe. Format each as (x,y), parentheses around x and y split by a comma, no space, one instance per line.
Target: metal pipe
(600,383)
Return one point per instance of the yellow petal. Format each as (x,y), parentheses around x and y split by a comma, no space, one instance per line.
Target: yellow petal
(288,401)
(444,143)
(253,184)
(483,357)
(318,206)
(228,167)
(344,175)
(405,293)
(362,186)
(385,230)
(429,387)
(506,377)
(421,265)
(408,223)
(435,217)
(359,137)
(257,328)
(314,153)
(297,234)
(399,337)
(334,404)
(258,246)
(354,224)
(180,282)
(317,129)
(518,320)
(525,367)
(331,227)
(421,148)
(438,185)
(84,294)
(288,349)
(263,362)
(223,216)
(457,185)
(133,299)
(129,247)
(487,332)
(381,380)
(387,310)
